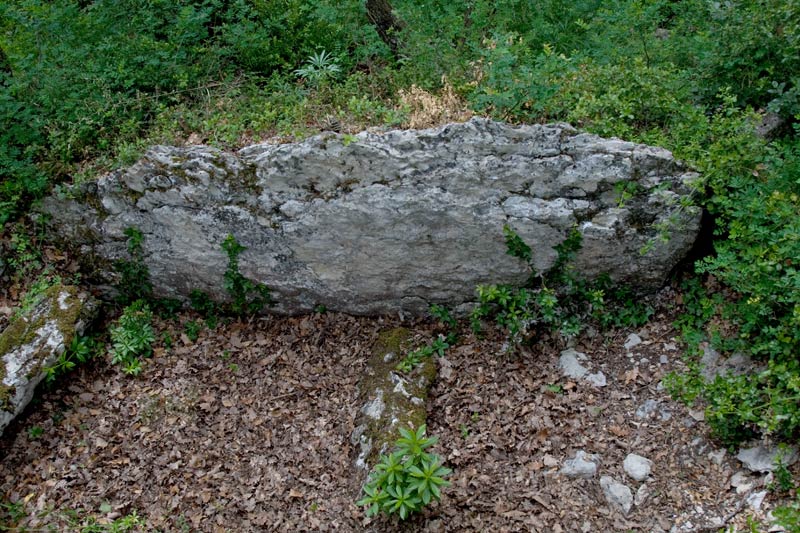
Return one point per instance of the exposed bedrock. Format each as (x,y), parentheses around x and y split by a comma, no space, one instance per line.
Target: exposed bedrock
(377,223)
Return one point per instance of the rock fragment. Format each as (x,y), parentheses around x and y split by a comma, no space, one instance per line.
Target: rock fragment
(637,466)
(582,465)
(617,494)
(763,458)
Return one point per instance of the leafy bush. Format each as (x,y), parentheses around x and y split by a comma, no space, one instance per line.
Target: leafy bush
(557,299)
(132,338)
(406,480)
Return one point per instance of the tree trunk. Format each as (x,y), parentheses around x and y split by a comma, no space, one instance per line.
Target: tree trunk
(381,15)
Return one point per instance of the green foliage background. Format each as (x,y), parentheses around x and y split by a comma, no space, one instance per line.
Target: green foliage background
(86,85)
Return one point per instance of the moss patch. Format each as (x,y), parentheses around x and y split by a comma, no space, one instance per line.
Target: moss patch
(403,401)
(6,391)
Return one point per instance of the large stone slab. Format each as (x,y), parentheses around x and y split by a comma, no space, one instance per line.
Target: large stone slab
(389,222)
(33,342)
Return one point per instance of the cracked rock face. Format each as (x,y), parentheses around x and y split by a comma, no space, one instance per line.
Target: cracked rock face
(389,222)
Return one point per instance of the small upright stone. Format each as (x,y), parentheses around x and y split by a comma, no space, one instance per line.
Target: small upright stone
(582,465)
(637,466)
(632,341)
(617,494)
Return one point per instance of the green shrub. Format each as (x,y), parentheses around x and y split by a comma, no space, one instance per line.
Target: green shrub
(558,299)
(133,337)
(788,516)
(407,479)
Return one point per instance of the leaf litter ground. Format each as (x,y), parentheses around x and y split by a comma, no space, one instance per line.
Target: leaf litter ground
(248,429)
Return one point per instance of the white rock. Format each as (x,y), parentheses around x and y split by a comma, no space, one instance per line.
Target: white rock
(617,494)
(374,408)
(763,459)
(632,341)
(755,500)
(742,482)
(637,466)
(582,465)
(570,365)
(641,494)
(597,379)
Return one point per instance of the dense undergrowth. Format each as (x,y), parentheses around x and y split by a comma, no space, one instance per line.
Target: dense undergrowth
(86,86)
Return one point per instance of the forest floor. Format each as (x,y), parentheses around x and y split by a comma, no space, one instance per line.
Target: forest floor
(248,429)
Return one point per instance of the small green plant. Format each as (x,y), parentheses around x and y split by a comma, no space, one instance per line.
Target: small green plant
(24,257)
(80,351)
(35,292)
(248,297)
(319,68)
(132,338)
(414,358)
(407,479)
(203,304)
(134,281)
(123,524)
(788,516)
(166,340)
(444,316)
(783,480)
(555,388)
(35,432)
(626,191)
(11,513)
(557,299)
(192,329)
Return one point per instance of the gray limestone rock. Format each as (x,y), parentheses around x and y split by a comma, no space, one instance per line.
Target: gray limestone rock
(637,467)
(391,222)
(764,458)
(617,494)
(33,342)
(571,366)
(633,340)
(582,465)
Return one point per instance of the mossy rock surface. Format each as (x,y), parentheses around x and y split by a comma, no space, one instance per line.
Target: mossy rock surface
(389,399)
(34,340)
